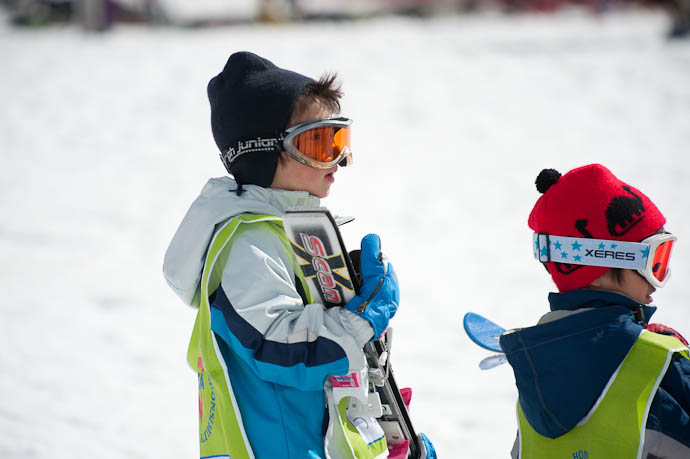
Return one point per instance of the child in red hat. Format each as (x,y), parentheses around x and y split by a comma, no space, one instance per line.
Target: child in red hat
(595,379)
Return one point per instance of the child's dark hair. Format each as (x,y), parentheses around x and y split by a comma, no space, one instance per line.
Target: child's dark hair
(617,275)
(326,92)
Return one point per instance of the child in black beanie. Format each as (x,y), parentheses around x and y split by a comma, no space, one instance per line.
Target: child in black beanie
(262,348)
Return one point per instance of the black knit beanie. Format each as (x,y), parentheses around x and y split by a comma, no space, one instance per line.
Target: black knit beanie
(251,103)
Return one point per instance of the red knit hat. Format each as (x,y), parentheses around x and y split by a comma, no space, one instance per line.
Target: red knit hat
(590,202)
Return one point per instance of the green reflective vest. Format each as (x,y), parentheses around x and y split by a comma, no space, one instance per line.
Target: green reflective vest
(221,432)
(615,427)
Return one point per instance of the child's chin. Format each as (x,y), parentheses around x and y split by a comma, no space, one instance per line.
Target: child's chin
(323,192)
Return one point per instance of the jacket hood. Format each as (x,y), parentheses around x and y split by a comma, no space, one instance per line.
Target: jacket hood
(184,259)
(563,364)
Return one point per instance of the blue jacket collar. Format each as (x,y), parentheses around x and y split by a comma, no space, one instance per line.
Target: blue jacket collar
(587,298)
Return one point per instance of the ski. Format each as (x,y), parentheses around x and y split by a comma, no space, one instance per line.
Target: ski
(485,334)
(333,278)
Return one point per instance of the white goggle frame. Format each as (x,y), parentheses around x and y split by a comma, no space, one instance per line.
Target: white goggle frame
(603,252)
(345,156)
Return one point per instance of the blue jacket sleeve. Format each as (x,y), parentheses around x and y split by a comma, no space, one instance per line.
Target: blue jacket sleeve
(669,414)
(259,314)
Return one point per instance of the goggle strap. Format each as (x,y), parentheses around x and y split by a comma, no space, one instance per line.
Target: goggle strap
(326,122)
(591,252)
(242,147)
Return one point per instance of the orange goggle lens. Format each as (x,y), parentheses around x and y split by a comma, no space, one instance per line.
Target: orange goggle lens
(323,144)
(662,254)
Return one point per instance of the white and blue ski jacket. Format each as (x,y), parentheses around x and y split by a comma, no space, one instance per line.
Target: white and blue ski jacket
(264,330)
(564,364)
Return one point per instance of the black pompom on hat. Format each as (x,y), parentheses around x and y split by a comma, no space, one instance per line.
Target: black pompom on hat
(251,103)
(546,178)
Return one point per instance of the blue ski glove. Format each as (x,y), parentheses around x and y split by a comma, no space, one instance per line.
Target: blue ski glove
(379,295)
(428,447)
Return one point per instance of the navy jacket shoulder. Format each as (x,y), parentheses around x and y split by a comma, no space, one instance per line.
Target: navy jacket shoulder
(561,366)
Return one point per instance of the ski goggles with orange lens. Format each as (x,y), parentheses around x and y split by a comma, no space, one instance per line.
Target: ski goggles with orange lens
(650,257)
(321,143)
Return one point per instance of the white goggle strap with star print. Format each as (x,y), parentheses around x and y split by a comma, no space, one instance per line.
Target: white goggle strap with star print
(590,252)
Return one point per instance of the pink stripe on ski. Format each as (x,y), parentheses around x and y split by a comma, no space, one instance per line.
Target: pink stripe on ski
(351,380)
(399,451)
(406,394)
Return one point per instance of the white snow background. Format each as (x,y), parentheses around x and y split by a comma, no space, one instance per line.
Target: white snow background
(105,141)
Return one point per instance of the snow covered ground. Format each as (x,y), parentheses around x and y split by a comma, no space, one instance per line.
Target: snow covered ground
(105,140)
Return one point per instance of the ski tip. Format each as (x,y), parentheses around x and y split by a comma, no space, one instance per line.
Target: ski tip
(468,323)
(341,220)
(468,318)
(471,321)
(482,331)
(493,361)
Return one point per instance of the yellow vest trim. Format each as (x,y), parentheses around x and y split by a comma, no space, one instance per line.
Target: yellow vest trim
(221,432)
(615,426)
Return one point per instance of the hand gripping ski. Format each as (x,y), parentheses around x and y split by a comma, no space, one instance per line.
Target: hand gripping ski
(334,280)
